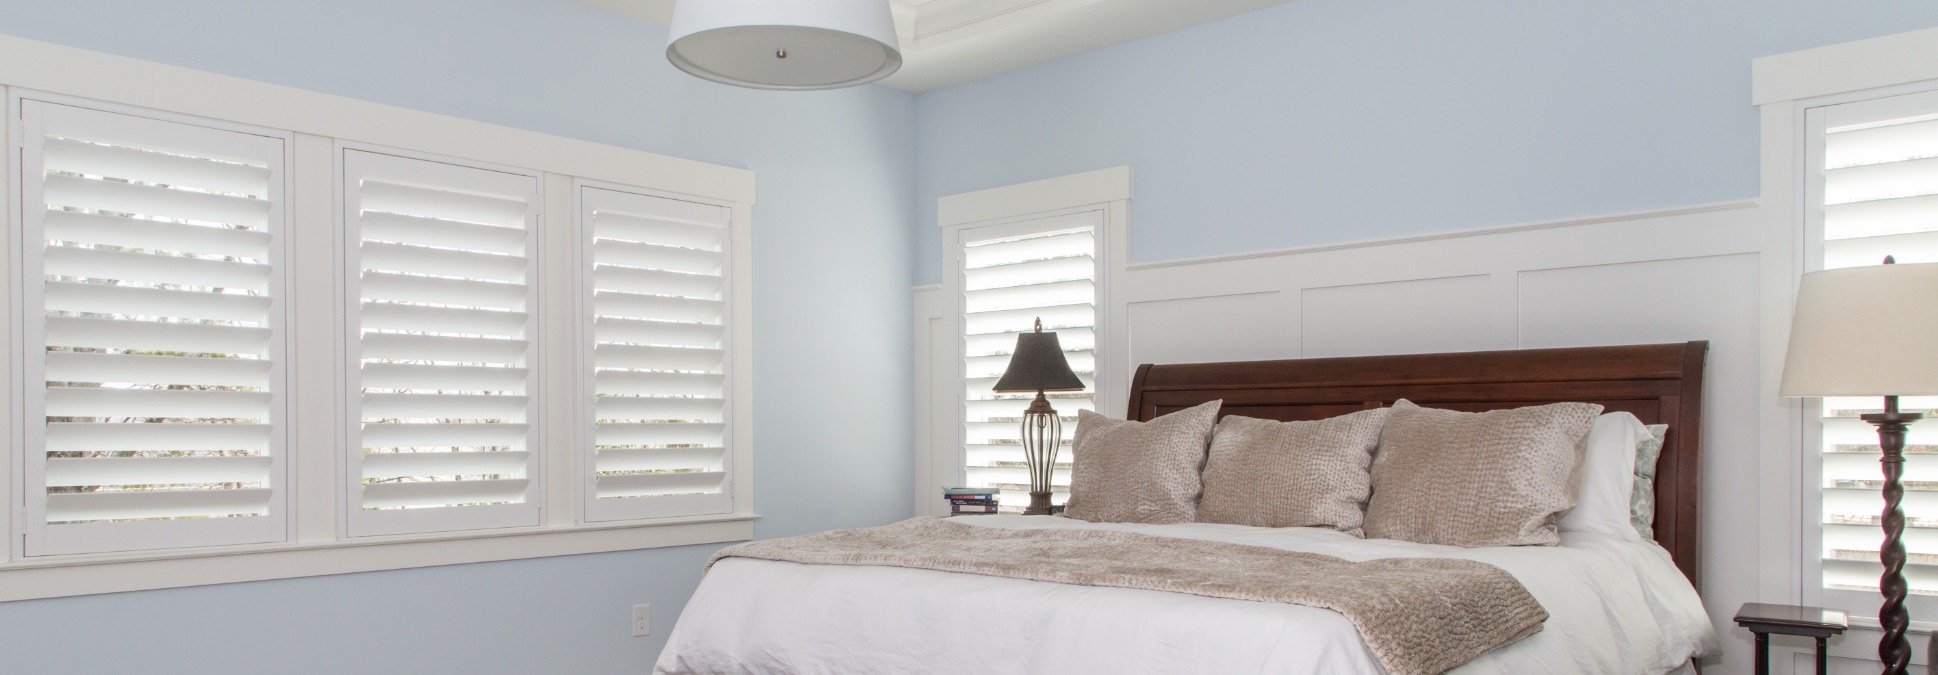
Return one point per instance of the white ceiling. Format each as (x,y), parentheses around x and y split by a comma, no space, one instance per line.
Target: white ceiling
(946,42)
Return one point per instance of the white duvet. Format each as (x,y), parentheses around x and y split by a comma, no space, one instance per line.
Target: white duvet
(1614,607)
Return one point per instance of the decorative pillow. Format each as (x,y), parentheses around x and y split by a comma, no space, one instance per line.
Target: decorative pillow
(1606,477)
(1641,505)
(1139,472)
(1291,474)
(1497,478)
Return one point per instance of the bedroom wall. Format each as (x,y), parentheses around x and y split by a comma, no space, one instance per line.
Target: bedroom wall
(1324,121)
(835,173)
(1331,177)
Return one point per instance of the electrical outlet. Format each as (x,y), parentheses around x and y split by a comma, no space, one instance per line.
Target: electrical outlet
(642,620)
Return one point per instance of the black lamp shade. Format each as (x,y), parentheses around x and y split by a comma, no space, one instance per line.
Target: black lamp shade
(1038,365)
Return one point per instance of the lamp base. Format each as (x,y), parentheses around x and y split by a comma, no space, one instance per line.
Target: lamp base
(1039,504)
(1892,649)
(1042,437)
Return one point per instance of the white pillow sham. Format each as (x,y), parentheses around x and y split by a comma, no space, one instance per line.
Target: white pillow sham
(1605,478)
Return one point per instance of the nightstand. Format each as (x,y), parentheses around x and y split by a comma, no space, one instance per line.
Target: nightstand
(1815,622)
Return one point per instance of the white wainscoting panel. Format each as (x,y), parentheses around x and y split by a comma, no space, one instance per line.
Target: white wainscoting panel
(1643,302)
(1710,298)
(1242,327)
(938,457)
(1415,316)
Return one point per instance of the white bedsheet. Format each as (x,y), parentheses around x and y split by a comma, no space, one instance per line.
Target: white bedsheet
(1614,607)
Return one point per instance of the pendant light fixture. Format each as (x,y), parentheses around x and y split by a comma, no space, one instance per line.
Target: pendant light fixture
(785,44)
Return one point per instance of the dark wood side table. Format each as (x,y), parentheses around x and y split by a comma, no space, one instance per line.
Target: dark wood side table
(1815,622)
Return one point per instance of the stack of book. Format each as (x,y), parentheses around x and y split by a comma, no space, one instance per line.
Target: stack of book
(971,501)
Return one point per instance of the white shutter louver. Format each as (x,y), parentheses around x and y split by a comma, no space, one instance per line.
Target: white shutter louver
(655,272)
(154,318)
(440,264)
(1012,275)
(1880,197)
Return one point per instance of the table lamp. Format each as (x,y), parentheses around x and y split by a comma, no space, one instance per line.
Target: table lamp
(1038,365)
(1872,331)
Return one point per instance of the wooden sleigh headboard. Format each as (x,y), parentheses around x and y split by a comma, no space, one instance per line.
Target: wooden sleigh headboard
(1660,384)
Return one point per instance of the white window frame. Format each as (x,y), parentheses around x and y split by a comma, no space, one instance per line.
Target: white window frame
(1859,603)
(316,122)
(1108,191)
(1786,87)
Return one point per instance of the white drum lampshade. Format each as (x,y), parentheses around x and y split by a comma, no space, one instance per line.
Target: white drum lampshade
(1865,331)
(785,44)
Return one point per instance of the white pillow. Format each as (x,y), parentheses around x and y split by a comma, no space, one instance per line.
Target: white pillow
(1606,478)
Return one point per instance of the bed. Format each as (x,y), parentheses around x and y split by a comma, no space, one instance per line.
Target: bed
(1613,606)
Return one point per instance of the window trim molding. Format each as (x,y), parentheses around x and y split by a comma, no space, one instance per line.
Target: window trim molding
(1842,68)
(1036,197)
(317,122)
(940,462)
(117,573)
(1784,88)
(12,407)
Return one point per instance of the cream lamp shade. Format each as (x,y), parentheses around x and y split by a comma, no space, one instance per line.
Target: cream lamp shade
(1865,331)
(785,44)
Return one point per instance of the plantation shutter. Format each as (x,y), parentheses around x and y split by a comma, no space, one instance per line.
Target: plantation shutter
(439,262)
(153,303)
(1880,197)
(656,283)
(1012,275)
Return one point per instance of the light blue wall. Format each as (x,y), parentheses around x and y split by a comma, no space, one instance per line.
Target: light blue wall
(1324,121)
(1318,121)
(832,235)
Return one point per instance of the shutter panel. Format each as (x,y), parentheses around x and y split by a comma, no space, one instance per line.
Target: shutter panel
(153,310)
(1880,196)
(656,283)
(440,268)
(1012,275)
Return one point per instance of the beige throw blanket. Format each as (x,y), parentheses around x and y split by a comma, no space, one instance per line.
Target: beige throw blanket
(1419,615)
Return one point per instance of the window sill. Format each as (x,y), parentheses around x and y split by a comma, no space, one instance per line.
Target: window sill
(93,574)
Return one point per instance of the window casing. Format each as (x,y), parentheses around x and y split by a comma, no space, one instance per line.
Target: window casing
(993,287)
(305,530)
(1872,191)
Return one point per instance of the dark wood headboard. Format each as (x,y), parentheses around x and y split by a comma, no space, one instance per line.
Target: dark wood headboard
(1661,384)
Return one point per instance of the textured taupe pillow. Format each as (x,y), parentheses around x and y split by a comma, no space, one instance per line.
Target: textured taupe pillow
(1496,478)
(1291,474)
(1139,472)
